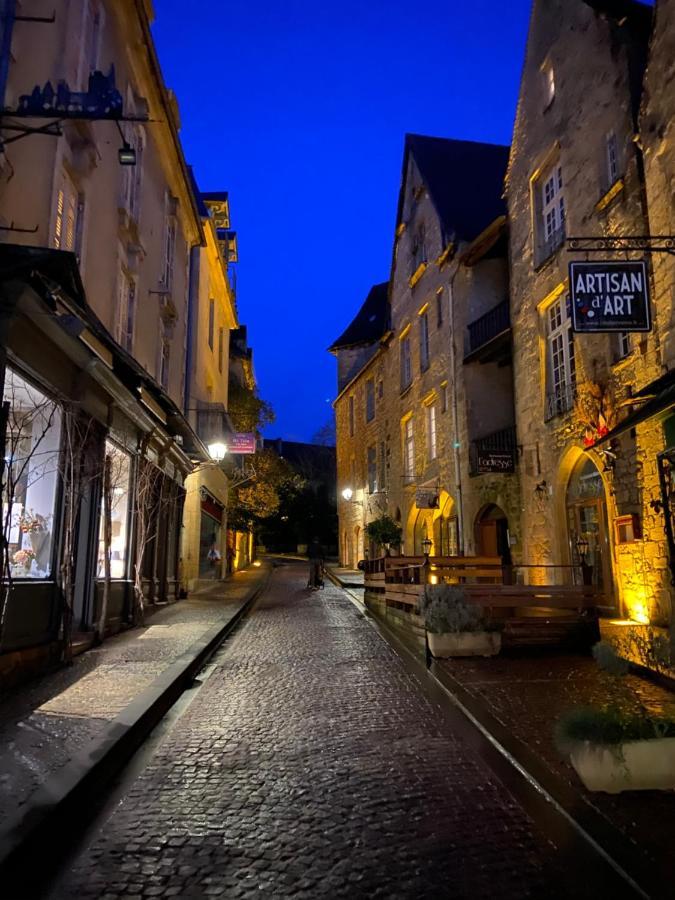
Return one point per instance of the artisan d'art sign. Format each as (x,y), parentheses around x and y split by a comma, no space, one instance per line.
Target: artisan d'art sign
(610,296)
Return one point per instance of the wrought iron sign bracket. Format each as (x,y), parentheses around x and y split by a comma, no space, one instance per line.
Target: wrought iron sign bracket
(657,243)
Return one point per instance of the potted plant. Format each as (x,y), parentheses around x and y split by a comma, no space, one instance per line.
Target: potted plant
(455,627)
(615,750)
(384,532)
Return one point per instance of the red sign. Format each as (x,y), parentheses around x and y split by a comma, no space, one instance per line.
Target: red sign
(242,443)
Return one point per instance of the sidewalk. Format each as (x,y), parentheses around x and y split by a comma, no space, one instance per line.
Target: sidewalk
(61,720)
(345,577)
(523,696)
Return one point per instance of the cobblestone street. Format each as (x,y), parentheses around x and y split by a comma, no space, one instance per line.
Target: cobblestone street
(311,764)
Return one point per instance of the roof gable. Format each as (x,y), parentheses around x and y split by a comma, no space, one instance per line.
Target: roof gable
(370,323)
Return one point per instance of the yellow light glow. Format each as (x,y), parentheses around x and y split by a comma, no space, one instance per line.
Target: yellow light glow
(637,605)
(257,563)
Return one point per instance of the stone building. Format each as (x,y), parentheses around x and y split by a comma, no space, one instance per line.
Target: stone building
(98,231)
(424,371)
(576,169)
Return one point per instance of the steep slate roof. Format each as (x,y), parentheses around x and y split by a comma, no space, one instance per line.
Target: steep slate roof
(370,322)
(465,180)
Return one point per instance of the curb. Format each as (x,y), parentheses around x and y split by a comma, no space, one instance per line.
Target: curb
(52,809)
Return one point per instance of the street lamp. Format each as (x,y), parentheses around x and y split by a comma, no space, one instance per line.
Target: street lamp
(347,494)
(217,451)
(426,548)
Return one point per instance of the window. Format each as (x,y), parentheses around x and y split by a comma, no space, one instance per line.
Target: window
(382,474)
(212,316)
(622,344)
(444,397)
(33,439)
(418,250)
(370,400)
(408,450)
(561,365)
(118,470)
(372,469)
(351,416)
(439,307)
(133,175)
(68,217)
(169,243)
(612,159)
(221,342)
(549,82)
(432,449)
(380,389)
(551,219)
(406,363)
(164,364)
(126,307)
(424,342)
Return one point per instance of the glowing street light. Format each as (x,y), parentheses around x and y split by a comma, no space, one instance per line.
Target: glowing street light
(347,494)
(217,451)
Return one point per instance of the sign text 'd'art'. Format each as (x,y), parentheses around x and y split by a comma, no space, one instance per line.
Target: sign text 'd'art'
(610,296)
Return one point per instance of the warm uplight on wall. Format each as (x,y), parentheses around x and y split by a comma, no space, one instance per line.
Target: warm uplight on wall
(217,451)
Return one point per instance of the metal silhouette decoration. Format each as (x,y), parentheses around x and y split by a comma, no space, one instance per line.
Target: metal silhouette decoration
(101,100)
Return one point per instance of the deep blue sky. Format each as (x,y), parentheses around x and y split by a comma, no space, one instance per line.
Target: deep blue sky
(299,109)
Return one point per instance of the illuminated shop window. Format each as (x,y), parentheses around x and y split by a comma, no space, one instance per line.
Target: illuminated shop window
(31,475)
(119,464)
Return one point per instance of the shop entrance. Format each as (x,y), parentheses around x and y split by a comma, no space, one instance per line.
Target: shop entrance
(492,533)
(587,527)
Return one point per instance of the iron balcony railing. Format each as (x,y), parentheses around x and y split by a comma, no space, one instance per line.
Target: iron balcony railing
(500,442)
(484,329)
(560,401)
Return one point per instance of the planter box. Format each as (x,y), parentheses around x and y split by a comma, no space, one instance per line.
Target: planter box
(466,643)
(633,766)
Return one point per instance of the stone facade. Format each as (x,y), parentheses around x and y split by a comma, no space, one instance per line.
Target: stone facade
(414,435)
(574,160)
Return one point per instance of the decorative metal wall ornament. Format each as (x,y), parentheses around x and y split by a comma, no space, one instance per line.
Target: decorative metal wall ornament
(644,243)
(595,411)
(101,100)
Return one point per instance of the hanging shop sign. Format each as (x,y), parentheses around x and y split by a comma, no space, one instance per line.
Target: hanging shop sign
(610,296)
(242,443)
(495,461)
(426,498)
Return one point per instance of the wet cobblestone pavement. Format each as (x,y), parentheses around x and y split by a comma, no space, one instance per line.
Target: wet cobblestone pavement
(528,694)
(44,723)
(310,764)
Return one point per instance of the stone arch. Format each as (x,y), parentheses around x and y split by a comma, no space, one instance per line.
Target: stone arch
(491,532)
(444,523)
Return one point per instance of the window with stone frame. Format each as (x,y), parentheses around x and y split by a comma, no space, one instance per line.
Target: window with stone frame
(370,400)
(408,450)
(372,469)
(406,363)
(382,467)
(432,442)
(612,161)
(622,345)
(549,200)
(418,248)
(126,312)
(424,341)
(439,307)
(561,368)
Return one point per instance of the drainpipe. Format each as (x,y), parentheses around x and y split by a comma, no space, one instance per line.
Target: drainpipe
(455,416)
(7,17)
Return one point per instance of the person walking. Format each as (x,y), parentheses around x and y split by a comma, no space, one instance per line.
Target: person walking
(316,555)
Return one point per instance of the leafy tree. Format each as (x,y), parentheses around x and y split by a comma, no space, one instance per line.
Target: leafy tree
(256,495)
(384,531)
(248,411)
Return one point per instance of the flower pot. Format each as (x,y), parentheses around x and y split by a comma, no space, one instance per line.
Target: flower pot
(464,643)
(633,766)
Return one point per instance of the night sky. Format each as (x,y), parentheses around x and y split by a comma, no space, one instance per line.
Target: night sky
(299,109)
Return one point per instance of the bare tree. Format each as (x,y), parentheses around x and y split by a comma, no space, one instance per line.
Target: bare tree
(151,499)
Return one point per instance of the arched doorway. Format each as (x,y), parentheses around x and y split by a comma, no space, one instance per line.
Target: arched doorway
(586,510)
(423,529)
(492,533)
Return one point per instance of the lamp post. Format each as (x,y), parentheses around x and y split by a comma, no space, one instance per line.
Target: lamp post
(583,546)
(426,549)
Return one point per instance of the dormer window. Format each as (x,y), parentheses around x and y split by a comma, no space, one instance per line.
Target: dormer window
(418,250)
(549,83)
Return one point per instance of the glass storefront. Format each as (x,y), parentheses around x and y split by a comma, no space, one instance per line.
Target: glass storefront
(119,464)
(31,477)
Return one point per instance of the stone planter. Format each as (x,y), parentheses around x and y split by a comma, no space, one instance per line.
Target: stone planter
(633,766)
(464,643)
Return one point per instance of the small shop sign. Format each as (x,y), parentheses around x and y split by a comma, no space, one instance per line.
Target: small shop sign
(610,296)
(495,461)
(242,443)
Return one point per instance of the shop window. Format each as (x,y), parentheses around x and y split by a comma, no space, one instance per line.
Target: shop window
(118,482)
(31,476)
